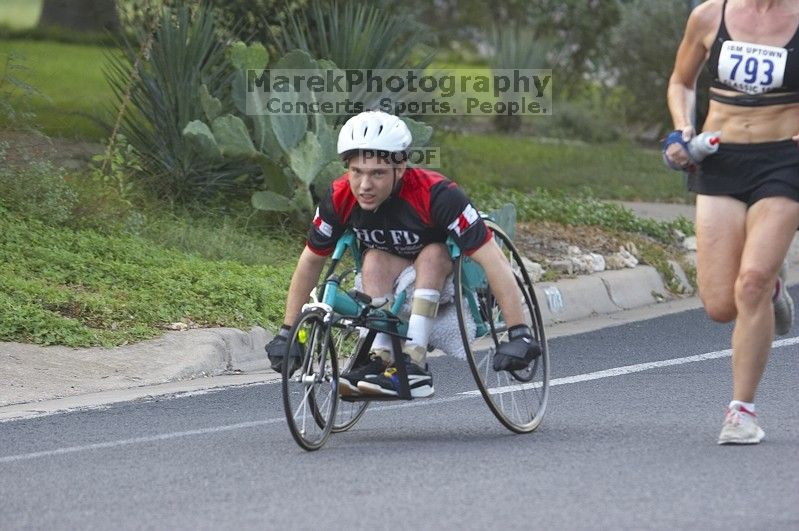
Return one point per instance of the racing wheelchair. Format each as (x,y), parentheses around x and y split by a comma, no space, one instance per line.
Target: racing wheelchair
(336,329)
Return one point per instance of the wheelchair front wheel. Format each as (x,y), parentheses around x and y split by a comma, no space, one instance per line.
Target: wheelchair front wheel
(310,393)
(517,398)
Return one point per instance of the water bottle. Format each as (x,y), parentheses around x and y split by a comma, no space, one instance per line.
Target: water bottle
(703,145)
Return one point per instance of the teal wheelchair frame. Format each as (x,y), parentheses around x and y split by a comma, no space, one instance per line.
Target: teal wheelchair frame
(342,323)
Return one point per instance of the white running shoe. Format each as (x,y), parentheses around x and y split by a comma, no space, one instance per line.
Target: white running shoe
(740,427)
(783,305)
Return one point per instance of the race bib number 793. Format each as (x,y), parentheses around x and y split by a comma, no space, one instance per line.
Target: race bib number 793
(752,68)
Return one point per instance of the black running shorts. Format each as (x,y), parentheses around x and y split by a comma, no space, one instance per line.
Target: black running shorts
(750,172)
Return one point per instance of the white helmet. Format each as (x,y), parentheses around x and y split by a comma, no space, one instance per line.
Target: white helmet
(375,130)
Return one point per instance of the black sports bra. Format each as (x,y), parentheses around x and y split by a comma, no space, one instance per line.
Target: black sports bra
(764,75)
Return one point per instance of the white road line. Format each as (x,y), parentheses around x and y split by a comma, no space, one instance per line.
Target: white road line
(628,369)
(618,371)
(138,440)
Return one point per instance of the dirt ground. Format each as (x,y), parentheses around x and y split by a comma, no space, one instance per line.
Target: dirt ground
(23,146)
(544,242)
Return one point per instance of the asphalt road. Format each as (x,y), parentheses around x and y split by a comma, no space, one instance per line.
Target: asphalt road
(624,449)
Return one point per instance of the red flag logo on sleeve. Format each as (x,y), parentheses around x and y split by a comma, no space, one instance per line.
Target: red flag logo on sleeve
(321,225)
(464,220)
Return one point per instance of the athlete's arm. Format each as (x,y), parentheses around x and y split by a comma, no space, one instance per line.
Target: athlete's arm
(304,279)
(501,279)
(681,93)
(324,232)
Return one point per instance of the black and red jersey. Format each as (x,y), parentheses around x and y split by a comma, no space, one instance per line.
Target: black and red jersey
(426,209)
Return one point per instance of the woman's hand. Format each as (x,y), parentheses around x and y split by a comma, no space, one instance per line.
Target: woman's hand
(676,154)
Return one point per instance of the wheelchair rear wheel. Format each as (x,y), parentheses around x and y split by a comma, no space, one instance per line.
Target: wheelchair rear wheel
(517,398)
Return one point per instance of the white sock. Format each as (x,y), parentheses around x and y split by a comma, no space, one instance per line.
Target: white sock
(420,326)
(382,343)
(749,406)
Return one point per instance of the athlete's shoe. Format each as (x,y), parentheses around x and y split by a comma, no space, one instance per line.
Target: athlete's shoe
(348,381)
(783,304)
(740,427)
(420,381)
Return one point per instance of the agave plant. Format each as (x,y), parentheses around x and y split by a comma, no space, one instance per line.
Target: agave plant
(356,35)
(515,47)
(164,96)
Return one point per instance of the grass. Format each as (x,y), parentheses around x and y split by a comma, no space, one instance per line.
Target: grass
(70,76)
(609,171)
(20,14)
(81,265)
(81,287)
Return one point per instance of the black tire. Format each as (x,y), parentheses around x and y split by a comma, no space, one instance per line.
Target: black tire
(310,393)
(518,399)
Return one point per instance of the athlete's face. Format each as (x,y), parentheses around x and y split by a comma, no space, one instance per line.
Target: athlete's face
(372,179)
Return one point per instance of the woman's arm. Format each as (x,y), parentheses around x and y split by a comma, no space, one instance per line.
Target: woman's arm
(691,55)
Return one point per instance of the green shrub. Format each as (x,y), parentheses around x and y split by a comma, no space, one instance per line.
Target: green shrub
(545,205)
(642,57)
(578,121)
(36,190)
(355,35)
(254,20)
(185,54)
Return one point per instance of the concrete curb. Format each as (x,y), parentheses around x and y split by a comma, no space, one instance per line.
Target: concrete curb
(32,373)
(600,293)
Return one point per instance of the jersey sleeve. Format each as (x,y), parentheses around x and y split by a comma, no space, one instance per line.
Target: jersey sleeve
(326,227)
(453,211)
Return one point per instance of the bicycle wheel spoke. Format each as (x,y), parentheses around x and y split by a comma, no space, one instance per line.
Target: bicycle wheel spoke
(349,341)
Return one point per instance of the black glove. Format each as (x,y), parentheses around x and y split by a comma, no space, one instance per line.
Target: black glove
(517,353)
(277,349)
